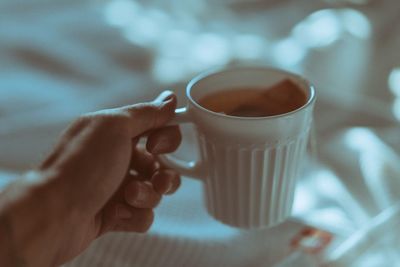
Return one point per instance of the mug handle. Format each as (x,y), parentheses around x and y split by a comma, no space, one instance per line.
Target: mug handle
(193,168)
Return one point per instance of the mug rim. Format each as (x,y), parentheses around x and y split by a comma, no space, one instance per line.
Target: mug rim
(220,70)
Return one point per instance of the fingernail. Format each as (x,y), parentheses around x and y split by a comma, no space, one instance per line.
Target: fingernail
(165,96)
(123,212)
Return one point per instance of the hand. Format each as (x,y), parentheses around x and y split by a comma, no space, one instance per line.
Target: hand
(111,183)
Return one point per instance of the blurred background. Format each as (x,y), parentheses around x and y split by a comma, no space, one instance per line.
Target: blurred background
(59,59)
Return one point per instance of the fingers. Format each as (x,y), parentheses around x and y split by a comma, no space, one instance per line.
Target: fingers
(132,120)
(122,217)
(166,181)
(164,140)
(144,163)
(131,207)
(141,195)
(153,115)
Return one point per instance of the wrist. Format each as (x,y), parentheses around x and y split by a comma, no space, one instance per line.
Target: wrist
(39,213)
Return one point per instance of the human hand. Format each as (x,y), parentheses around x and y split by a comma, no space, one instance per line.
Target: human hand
(110,183)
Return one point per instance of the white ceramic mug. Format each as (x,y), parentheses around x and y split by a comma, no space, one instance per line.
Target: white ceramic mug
(249,165)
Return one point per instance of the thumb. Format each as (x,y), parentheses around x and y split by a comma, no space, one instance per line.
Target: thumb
(151,115)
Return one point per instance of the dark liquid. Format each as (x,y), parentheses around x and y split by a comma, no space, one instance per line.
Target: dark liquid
(280,98)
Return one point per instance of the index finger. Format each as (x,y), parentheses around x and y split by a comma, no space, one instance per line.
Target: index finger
(152,115)
(164,140)
(137,119)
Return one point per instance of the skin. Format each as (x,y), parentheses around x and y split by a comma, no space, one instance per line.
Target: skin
(98,179)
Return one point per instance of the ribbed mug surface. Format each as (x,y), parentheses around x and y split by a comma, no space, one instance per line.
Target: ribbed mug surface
(252,185)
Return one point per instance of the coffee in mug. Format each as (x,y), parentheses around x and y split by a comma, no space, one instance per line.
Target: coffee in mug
(283,97)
